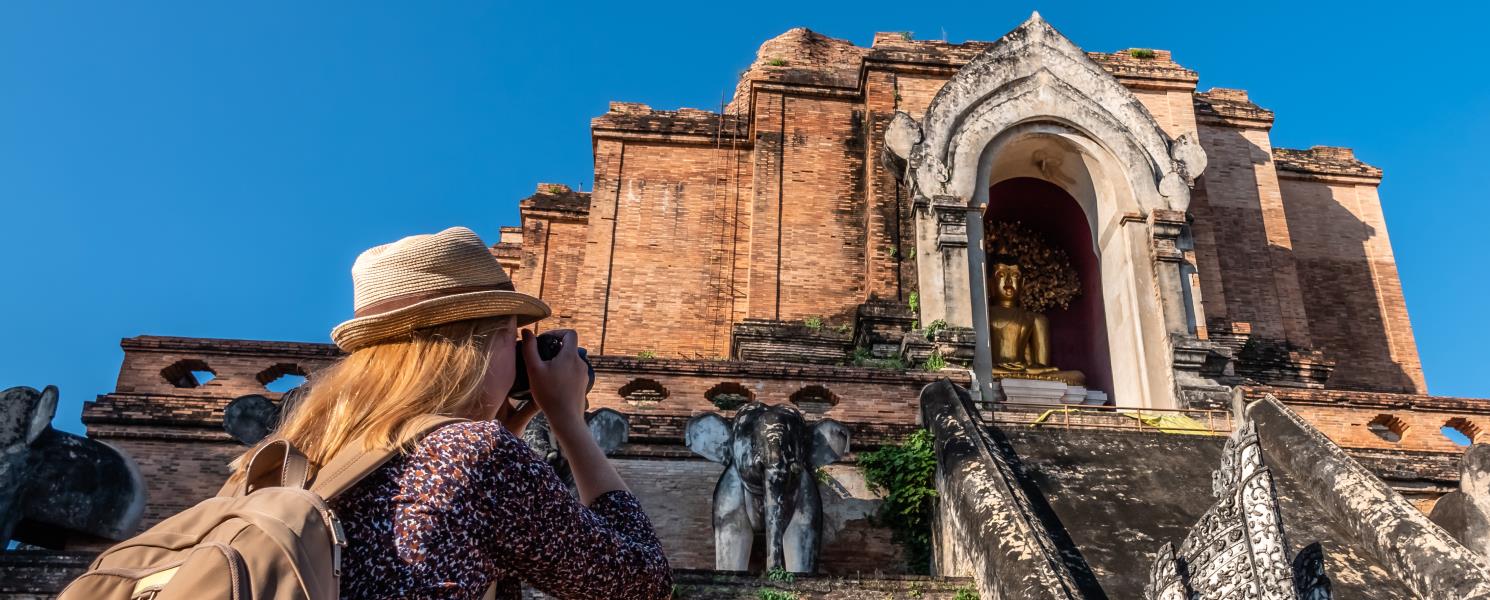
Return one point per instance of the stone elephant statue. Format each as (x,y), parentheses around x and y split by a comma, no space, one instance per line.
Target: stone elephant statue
(56,487)
(253,417)
(770,457)
(609,428)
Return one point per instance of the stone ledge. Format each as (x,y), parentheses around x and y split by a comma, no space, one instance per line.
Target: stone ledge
(39,573)
(193,345)
(1324,160)
(986,521)
(759,340)
(639,118)
(556,197)
(693,584)
(1160,71)
(1367,399)
(1231,107)
(43,573)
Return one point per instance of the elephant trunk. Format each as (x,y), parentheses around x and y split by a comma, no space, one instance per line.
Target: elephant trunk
(780,505)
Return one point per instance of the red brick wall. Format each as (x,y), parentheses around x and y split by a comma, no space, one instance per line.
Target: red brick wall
(862,395)
(889,255)
(1344,416)
(178,473)
(1241,213)
(1357,314)
(1348,427)
(183,454)
(658,250)
(552,265)
(236,363)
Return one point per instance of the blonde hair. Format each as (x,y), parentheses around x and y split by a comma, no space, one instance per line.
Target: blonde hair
(369,397)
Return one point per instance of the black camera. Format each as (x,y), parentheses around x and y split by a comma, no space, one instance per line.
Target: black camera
(549,345)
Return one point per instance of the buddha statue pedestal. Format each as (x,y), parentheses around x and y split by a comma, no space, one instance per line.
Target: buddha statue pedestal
(1044,391)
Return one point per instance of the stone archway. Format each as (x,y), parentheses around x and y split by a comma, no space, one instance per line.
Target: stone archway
(1034,105)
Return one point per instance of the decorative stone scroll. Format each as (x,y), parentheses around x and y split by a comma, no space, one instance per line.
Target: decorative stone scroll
(1238,550)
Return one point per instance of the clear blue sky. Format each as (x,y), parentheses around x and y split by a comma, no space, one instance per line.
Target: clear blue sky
(212,169)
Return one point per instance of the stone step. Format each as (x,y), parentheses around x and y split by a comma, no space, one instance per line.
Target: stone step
(721,585)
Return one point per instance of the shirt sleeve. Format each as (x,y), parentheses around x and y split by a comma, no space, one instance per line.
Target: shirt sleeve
(538,531)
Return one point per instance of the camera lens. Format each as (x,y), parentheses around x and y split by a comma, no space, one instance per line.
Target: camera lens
(549,345)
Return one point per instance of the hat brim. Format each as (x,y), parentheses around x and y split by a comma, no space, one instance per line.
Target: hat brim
(401,323)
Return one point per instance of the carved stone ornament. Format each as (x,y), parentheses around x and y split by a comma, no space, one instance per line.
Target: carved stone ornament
(1238,550)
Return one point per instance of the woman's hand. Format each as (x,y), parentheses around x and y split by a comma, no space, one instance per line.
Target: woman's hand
(559,383)
(516,419)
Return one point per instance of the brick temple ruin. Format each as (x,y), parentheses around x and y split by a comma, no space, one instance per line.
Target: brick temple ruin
(840,238)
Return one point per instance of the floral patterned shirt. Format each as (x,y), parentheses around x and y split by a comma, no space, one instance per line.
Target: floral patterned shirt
(472,506)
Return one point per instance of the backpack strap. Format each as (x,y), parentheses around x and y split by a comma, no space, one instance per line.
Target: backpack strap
(344,470)
(349,466)
(292,468)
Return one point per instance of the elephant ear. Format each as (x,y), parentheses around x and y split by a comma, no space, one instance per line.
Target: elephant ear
(250,418)
(829,442)
(708,436)
(46,408)
(609,428)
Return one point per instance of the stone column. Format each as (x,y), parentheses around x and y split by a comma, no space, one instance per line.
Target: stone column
(1195,359)
(978,295)
(1166,227)
(941,260)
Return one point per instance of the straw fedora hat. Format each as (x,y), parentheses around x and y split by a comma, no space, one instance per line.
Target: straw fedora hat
(427,280)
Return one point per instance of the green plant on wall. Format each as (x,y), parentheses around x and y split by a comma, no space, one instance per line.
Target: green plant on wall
(776,595)
(1141,53)
(966,593)
(862,357)
(730,401)
(646,355)
(814,323)
(905,473)
(935,362)
(777,62)
(915,303)
(934,328)
(781,575)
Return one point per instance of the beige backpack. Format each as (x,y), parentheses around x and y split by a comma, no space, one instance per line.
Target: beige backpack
(251,541)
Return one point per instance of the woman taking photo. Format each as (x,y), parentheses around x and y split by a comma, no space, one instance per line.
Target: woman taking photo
(467,508)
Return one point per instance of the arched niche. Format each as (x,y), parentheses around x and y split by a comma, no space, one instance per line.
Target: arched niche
(1034,105)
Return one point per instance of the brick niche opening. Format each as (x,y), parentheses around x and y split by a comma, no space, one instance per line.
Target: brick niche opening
(188,373)
(643,392)
(814,399)
(1460,431)
(1388,427)
(282,377)
(729,396)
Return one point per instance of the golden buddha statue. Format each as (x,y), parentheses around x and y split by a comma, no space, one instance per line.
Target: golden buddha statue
(1020,338)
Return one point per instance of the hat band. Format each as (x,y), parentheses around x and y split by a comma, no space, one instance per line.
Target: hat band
(397,302)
